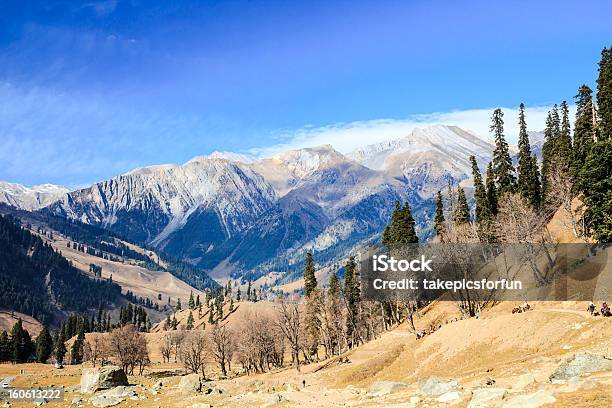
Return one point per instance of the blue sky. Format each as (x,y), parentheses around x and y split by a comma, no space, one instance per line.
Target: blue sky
(92,89)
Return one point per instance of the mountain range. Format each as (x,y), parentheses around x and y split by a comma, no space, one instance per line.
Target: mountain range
(233,214)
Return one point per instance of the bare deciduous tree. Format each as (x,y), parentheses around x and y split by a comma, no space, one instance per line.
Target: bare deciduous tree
(193,352)
(129,346)
(165,348)
(222,344)
(95,348)
(290,324)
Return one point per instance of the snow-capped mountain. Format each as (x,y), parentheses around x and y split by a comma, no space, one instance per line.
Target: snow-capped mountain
(427,159)
(187,209)
(32,198)
(228,212)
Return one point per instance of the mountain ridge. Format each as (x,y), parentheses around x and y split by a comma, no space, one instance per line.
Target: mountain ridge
(230,209)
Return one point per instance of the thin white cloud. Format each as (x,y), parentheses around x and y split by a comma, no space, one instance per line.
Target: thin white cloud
(345,137)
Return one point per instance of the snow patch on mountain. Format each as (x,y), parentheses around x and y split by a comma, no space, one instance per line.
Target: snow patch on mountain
(30,198)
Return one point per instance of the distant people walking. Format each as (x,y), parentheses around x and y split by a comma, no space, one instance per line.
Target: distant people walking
(591,308)
(605,310)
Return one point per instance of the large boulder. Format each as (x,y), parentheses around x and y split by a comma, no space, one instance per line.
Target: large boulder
(581,365)
(113,396)
(522,382)
(102,378)
(535,400)
(487,397)
(433,387)
(380,388)
(190,383)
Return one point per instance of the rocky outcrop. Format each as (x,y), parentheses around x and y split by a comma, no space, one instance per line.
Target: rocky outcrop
(434,387)
(102,378)
(487,397)
(380,388)
(535,400)
(582,364)
(113,397)
(190,383)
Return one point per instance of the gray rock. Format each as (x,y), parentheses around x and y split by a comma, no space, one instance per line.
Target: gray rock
(75,402)
(523,382)
(487,397)
(582,364)
(94,379)
(214,391)
(101,401)
(200,405)
(119,392)
(190,383)
(449,397)
(380,388)
(40,401)
(535,400)
(432,387)
(275,399)
(113,396)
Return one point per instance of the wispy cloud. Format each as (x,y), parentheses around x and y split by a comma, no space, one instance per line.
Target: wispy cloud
(48,136)
(348,136)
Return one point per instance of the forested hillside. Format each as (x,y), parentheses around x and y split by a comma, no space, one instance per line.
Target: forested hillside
(38,281)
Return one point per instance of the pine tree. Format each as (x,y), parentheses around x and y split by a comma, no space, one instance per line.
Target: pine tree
(310,280)
(5,347)
(178,305)
(439,216)
(59,348)
(584,131)
(238,295)
(502,163)
(564,142)
(595,176)
(482,211)
(249,291)
(334,285)
(528,178)
(219,310)
(491,189)
(406,232)
(191,302)
(351,295)
(596,184)
(44,345)
(604,95)
(462,212)
(228,291)
(210,314)
(76,351)
(21,343)
(190,321)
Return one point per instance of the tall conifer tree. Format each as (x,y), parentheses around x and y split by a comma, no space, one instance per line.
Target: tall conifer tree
(462,212)
(310,280)
(604,94)
(44,345)
(595,176)
(439,215)
(502,163)
(482,211)
(584,130)
(528,178)
(491,189)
